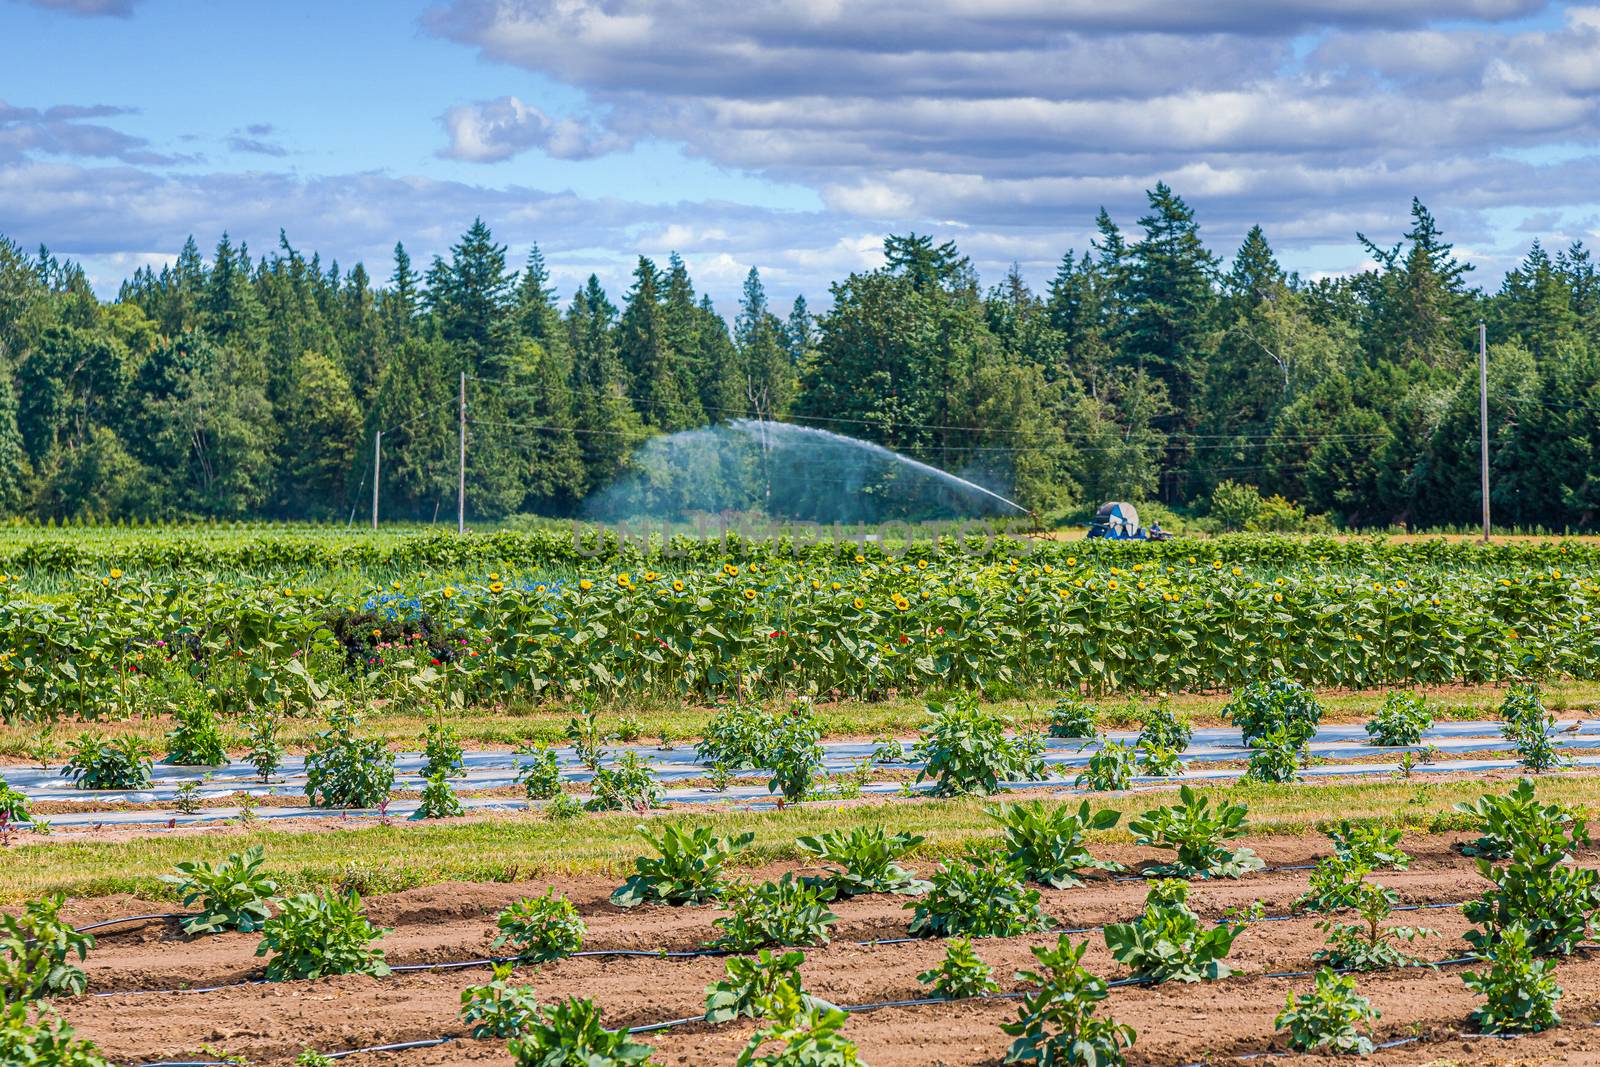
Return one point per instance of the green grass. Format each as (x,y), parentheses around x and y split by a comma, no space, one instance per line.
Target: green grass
(529,847)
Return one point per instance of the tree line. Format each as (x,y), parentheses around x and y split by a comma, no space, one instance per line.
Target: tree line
(1148,369)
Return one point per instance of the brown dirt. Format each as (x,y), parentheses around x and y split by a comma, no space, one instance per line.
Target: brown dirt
(270,1024)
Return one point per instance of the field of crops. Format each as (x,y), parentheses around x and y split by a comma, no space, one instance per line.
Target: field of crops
(1180,827)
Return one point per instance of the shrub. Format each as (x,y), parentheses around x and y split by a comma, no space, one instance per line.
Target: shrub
(1334,885)
(1169,942)
(748,981)
(233,895)
(46,1042)
(1369,945)
(540,929)
(344,771)
(629,786)
(1402,721)
(795,756)
(981,896)
(315,935)
(1046,842)
(687,869)
(498,1008)
(442,754)
(1519,991)
(540,775)
(807,1028)
(961,973)
(197,741)
(439,801)
(100,764)
(1329,1017)
(569,1033)
(786,913)
(1552,902)
(1259,707)
(1529,725)
(1277,757)
(1369,845)
(265,752)
(1197,834)
(1111,768)
(1056,1023)
(1164,728)
(863,860)
(1159,762)
(966,751)
(1518,820)
(1072,717)
(739,737)
(1234,505)
(36,950)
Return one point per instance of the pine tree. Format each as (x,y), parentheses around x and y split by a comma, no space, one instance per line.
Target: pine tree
(605,423)
(767,369)
(647,354)
(1170,299)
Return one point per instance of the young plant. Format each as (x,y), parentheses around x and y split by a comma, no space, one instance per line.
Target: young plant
(1530,726)
(787,913)
(47,1041)
(748,981)
(1518,820)
(498,1008)
(1401,722)
(439,801)
(980,896)
(13,804)
(961,973)
(36,950)
(1519,990)
(100,764)
(1261,707)
(1555,904)
(1170,943)
(1277,757)
(233,895)
(1164,728)
(863,860)
(1329,1017)
(1369,845)
(887,751)
(738,737)
(266,751)
(1057,1024)
(1334,885)
(1045,842)
(442,754)
(686,870)
(344,771)
(966,752)
(1197,833)
(569,1033)
(1111,768)
(629,729)
(795,755)
(540,929)
(807,1028)
(197,741)
(1073,717)
(1159,762)
(310,1057)
(315,935)
(628,786)
(1369,945)
(587,739)
(187,800)
(540,774)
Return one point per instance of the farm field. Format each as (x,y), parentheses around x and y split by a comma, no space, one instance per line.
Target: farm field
(421,732)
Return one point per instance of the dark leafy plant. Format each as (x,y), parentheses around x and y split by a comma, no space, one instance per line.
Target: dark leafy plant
(266,750)
(1197,833)
(1110,768)
(961,973)
(864,860)
(1553,902)
(96,763)
(980,896)
(738,737)
(540,773)
(233,895)
(1519,990)
(439,800)
(965,750)
(498,1008)
(1369,845)
(628,786)
(540,929)
(1045,842)
(788,913)
(1072,717)
(1402,721)
(1331,1017)
(315,935)
(1159,762)
(442,754)
(197,740)
(1057,1023)
(569,1034)
(36,950)
(808,1030)
(686,870)
(1277,757)
(1369,945)
(1517,820)
(795,756)
(1263,706)
(588,740)
(345,771)
(1170,943)
(888,751)
(1164,728)
(748,981)
(1530,726)
(46,1041)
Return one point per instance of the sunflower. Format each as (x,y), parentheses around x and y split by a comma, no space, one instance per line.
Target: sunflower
(901,603)
(497,587)
(624,581)
(858,603)
(677,585)
(585,584)
(749,594)
(115,574)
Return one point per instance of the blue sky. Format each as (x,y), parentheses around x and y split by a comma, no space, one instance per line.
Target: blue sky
(790,135)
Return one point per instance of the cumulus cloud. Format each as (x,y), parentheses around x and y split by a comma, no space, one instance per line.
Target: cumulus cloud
(88,8)
(62,131)
(493,130)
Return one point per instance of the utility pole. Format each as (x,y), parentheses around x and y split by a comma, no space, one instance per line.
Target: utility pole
(461,473)
(377,454)
(1483,420)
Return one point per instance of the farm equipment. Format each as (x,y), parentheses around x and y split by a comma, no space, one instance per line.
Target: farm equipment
(1119,521)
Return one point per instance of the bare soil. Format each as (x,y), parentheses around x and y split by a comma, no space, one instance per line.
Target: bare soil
(135,1014)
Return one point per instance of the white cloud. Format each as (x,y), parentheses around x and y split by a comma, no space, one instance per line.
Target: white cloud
(490,131)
